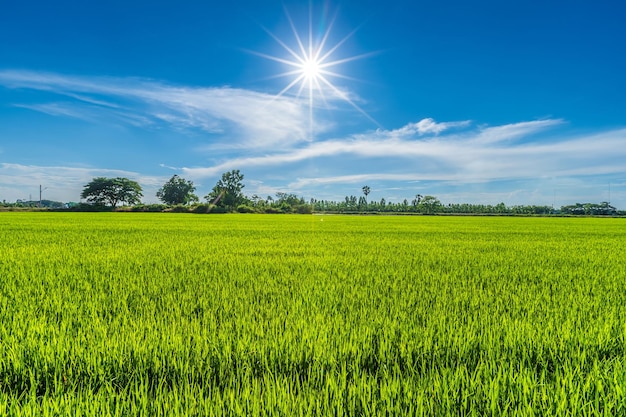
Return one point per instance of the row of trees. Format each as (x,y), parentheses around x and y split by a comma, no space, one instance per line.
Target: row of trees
(109,192)
(33,204)
(427,205)
(227,196)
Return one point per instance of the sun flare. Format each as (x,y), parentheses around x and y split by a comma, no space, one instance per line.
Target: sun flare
(312,67)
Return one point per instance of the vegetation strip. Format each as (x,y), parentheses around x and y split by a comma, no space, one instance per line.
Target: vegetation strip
(177,194)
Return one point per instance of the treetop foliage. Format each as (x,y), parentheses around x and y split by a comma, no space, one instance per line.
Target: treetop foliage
(227,193)
(177,190)
(603,208)
(112,191)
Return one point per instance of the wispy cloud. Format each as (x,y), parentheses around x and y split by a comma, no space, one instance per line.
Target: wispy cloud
(351,179)
(254,119)
(514,131)
(480,154)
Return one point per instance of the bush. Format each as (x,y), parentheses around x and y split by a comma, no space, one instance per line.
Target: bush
(273,210)
(91,207)
(152,208)
(201,209)
(207,208)
(242,208)
(179,209)
(303,209)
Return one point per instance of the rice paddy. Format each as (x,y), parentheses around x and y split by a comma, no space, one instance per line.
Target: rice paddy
(116,314)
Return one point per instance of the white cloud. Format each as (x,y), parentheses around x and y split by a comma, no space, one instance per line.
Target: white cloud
(471,156)
(64,184)
(510,132)
(255,119)
(351,179)
(424,127)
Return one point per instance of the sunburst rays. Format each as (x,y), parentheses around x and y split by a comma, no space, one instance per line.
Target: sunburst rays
(312,65)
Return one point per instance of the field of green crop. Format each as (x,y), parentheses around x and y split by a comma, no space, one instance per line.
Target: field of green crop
(118,314)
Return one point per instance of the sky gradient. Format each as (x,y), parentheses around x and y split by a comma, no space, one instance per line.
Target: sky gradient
(481,102)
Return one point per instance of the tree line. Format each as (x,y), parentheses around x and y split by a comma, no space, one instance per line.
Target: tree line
(178,194)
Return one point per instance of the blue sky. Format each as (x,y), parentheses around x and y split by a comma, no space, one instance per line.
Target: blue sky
(483,101)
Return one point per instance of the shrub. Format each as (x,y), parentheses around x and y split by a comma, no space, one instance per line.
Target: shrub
(200,208)
(273,210)
(179,209)
(152,208)
(242,208)
(207,208)
(304,209)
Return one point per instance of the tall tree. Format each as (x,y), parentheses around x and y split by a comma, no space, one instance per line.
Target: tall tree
(112,191)
(416,201)
(366,191)
(177,191)
(227,192)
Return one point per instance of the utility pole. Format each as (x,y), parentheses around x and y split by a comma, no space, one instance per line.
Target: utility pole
(40,190)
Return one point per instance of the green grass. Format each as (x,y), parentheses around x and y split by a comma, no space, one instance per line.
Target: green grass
(116,314)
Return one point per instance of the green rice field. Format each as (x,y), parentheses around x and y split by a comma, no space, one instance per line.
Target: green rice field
(161,314)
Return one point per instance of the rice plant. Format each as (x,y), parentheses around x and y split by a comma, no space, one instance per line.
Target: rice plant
(116,314)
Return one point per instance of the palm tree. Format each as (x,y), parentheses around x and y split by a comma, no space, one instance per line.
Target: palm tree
(366,191)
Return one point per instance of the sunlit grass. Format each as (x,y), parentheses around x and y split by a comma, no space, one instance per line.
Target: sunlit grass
(165,314)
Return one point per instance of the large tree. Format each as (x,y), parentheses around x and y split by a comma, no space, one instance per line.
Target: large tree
(112,191)
(227,192)
(177,191)
(429,205)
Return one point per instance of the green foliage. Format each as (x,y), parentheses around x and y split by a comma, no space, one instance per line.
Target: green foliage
(425,205)
(201,208)
(288,203)
(429,205)
(227,193)
(218,209)
(155,208)
(91,207)
(273,210)
(178,209)
(602,209)
(366,190)
(303,209)
(153,315)
(112,191)
(177,190)
(243,208)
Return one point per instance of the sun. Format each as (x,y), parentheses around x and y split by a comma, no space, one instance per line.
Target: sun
(312,67)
